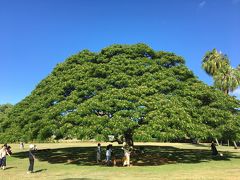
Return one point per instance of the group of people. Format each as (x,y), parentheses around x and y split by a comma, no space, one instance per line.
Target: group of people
(109,149)
(6,150)
(108,153)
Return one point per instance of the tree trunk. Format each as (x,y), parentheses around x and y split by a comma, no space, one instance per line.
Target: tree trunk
(119,139)
(128,138)
(235,145)
(217,141)
(226,91)
(228,142)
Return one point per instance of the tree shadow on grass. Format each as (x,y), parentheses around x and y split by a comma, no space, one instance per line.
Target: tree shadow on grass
(142,156)
(9,167)
(40,170)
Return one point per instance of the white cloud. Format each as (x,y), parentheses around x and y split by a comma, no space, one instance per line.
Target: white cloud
(202,4)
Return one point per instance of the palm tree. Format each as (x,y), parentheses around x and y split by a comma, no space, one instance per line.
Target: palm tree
(213,61)
(227,79)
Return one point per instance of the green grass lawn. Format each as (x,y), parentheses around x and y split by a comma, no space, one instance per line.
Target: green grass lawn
(74,161)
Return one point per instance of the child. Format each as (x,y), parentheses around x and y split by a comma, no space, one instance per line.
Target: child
(98,153)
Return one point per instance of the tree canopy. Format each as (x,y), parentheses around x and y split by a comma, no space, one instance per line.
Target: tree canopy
(124,90)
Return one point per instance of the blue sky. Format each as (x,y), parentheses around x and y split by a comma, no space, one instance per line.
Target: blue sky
(35,35)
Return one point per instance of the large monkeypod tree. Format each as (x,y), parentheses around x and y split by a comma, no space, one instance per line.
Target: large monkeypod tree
(127,92)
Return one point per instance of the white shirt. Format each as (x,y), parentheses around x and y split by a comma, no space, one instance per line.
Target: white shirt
(108,152)
(3,153)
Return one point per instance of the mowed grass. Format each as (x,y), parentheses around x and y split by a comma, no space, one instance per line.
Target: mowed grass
(72,161)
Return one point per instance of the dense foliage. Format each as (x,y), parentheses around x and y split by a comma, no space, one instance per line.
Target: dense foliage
(4,112)
(128,90)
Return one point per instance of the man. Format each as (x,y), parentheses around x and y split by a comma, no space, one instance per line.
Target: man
(98,153)
(214,149)
(31,157)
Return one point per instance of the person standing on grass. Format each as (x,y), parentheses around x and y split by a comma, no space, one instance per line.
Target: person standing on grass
(214,149)
(21,145)
(108,155)
(127,152)
(98,153)
(31,156)
(3,153)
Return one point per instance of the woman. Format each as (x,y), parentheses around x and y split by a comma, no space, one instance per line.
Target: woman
(127,152)
(3,153)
